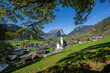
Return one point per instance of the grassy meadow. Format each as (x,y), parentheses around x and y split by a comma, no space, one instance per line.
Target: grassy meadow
(80,35)
(82,58)
(65,38)
(14,43)
(77,36)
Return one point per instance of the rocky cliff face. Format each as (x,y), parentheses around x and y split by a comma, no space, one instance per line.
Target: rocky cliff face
(54,33)
(101,28)
(79,30)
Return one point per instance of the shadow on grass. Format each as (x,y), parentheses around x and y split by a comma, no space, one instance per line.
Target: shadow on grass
(67,68)
(106,69)
(11,69)
(74,68)
(76,62)
(96,52)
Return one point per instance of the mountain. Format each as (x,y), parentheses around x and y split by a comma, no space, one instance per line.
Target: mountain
(16,27)
(101,28)
(54,33)
(11,26)
(79,30)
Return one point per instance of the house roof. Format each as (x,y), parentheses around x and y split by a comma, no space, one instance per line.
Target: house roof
(30,56)
(41,51)
(12,57)
(3,66)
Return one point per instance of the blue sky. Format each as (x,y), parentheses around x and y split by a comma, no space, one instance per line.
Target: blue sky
(64,18)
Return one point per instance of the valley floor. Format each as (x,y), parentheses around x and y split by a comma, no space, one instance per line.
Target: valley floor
(86,57)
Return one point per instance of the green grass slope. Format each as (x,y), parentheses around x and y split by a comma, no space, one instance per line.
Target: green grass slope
(65,38)
(82,35)
(90,57)
(14,43)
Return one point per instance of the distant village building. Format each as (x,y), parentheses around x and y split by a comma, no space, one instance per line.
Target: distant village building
(12,57)
(36,47)
(42,46)
(30,57)
(60,44)
(81,41)
(41,51)
(20,51)
(3,66)
(69,41)
(99,37)
(46,44)
(94,39)
(75,42)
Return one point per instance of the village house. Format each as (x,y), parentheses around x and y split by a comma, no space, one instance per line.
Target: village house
(41,51)
(46,44)
(85,40)
(36,47)
(75,42)
(99,37)
(22,47)
(3,66)
(69,41)
(81,41)
(94,39)
(29,58)
(20,51)
(12,57)
(29,45)
(42,46)
(53,45)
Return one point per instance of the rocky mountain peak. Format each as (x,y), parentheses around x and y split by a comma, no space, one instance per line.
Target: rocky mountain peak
(55,33)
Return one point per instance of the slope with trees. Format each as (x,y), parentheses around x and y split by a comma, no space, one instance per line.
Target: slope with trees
(79,30)
(102,28)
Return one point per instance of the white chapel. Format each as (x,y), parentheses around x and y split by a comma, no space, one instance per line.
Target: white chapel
(60,44)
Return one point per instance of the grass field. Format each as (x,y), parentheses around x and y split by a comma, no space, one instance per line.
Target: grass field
(80,58)
(77,36)
(65,38)
(49,48)
(80,35)
(33,50)
(23,56)
(14,43)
